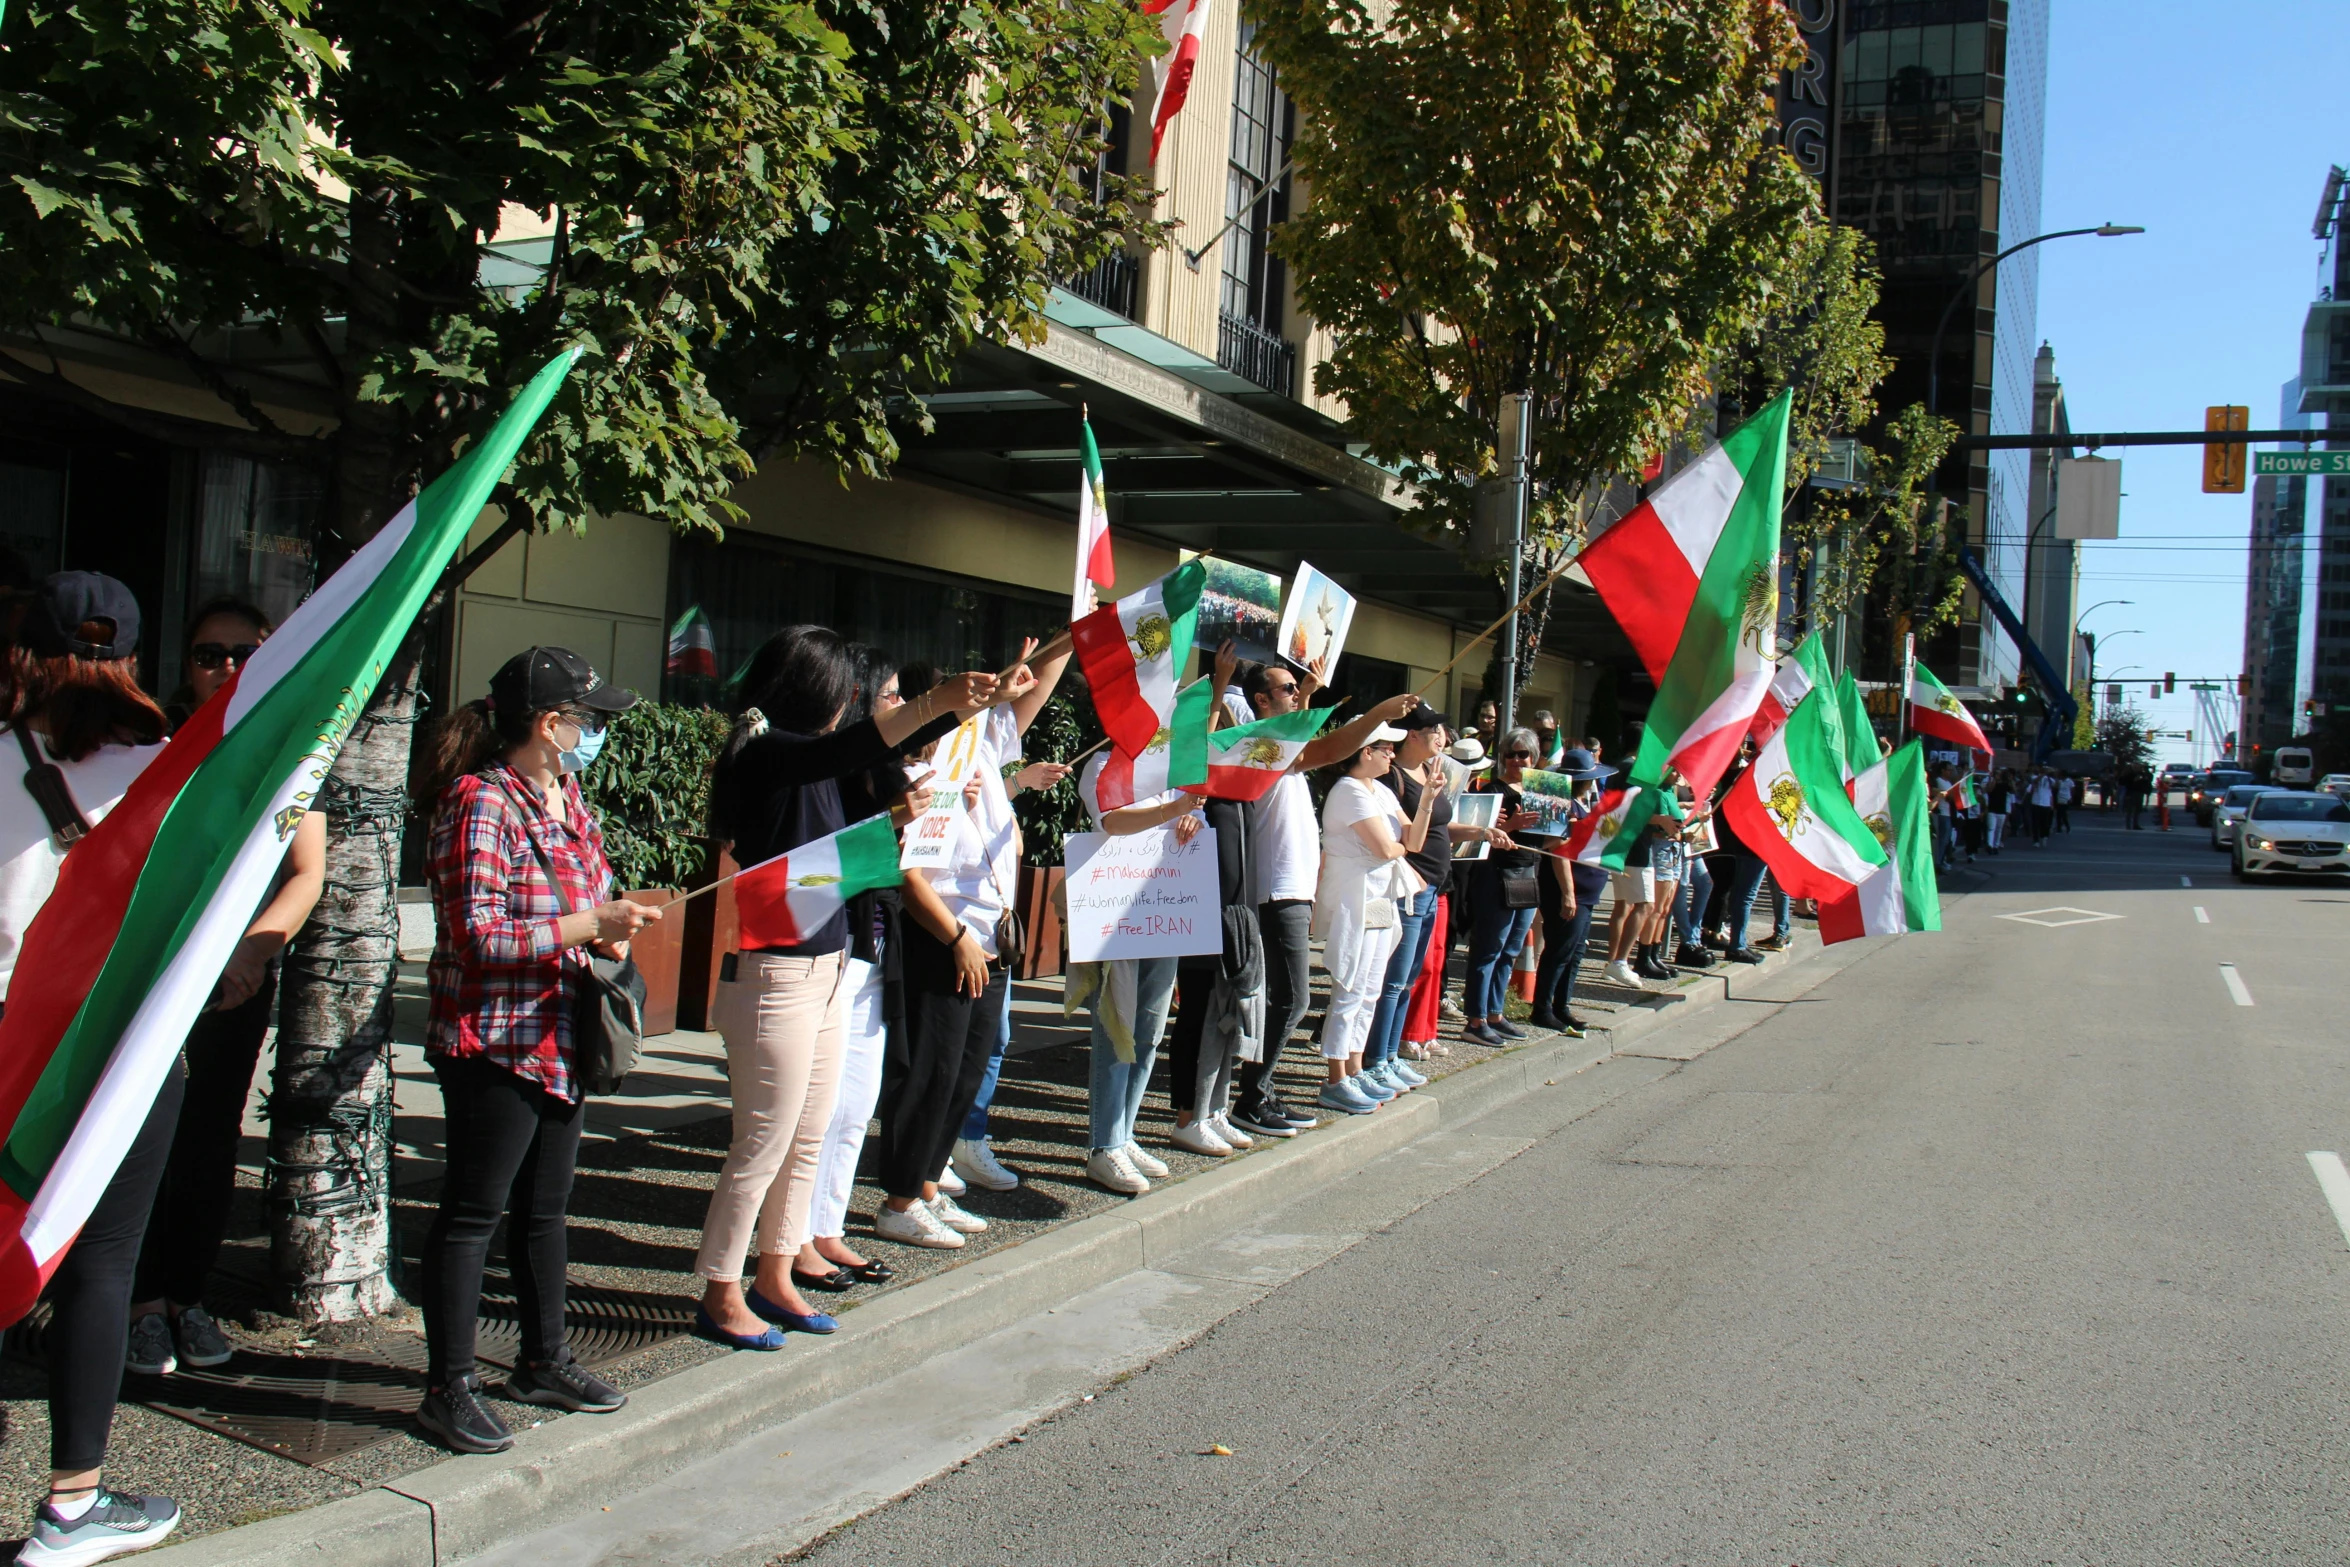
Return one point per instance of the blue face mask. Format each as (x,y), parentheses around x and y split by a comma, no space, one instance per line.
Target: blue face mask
(583,755)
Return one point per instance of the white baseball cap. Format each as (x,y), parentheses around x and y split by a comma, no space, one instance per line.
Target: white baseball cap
(1387,733)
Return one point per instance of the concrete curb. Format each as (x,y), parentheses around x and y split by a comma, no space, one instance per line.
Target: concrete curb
(464,1506)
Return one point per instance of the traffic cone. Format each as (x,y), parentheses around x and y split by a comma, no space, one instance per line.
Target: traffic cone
(1529,959)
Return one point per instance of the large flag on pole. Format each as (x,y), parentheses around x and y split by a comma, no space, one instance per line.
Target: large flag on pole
(121,959)
(1854,730)
(1934,711)
(1183,23)
(1798,675)
(780,900)
(1176,755)
(1133,652)
(1790,808)
(1900,895)
(1093,527)
(1246,760)
(1692,575)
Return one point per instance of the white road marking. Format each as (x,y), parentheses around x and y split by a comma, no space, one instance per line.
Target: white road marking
(2201,918)
(2186,881)
(2235,983)
(2334,1181)
(2058,918)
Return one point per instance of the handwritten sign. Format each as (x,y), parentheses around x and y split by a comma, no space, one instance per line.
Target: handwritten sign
(930,837)
(1142,896)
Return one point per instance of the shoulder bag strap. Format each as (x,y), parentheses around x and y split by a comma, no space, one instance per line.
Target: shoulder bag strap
(555,882)
(45,781)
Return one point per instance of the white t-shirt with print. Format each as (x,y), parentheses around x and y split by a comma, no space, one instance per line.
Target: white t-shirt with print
(29,851)
(983,865)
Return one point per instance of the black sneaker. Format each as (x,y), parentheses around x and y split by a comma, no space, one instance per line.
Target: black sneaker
(1746,955)
(459,1418)
(1505,1028)
(1264,1120)
(565,1385)
(1694,957)
(1303,1120)
(115,1523)
(1544,1018)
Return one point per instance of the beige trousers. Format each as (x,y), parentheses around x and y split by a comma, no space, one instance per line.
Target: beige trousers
(784,1021)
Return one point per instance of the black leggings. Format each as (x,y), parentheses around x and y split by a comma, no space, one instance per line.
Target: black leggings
(933,1063)
(90,1294)
(512,1147)
(191,1212)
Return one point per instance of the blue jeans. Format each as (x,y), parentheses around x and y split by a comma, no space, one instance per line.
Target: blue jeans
(1403,971)
(975,1124)
(1746,879)
(1493,949)
(1697,890)
(1118,1086)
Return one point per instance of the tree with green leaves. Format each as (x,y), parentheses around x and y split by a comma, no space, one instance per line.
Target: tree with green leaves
(1574,198)
(767,220)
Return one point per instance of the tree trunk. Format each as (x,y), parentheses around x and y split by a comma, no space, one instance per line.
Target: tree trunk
(329,1178)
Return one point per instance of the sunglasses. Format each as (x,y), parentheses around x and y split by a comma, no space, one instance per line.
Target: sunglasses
(1281,687)
(211,655)
(1517,756)
(588,721)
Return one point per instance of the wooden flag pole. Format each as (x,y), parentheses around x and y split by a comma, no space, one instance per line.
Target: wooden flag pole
(1556,572)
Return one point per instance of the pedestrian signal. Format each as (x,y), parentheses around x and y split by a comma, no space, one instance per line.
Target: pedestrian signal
(2223,466)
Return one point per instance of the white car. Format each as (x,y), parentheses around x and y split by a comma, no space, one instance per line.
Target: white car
(2228,809)
(2335,783)
(2302,831)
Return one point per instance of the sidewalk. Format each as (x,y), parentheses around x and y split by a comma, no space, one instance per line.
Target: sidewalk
(340,1401)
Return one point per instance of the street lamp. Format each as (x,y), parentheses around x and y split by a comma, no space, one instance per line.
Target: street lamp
(2094,608)
(1934,361)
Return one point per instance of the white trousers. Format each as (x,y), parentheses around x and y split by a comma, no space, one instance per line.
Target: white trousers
(860,1090)
(1347,1024)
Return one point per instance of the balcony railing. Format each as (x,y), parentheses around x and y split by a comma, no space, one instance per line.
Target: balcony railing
(1254,354)
(1109,283)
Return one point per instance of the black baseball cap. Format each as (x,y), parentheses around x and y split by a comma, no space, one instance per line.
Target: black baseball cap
(1421,717)
(542,678)
(85,613)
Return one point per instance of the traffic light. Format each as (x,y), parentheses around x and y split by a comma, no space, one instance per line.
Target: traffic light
(2243,685)
(2223,466)
(2170,682)
(2153,691)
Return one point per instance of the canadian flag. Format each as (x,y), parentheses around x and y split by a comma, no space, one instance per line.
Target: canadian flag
(1184,22)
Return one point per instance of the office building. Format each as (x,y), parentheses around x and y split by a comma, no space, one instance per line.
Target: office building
(2272,599)
(2325,391)
(2052,598)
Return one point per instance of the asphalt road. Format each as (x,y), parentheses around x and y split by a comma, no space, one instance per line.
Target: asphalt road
(1998,1246)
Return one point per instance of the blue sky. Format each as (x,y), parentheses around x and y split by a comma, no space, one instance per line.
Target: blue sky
(2213,126)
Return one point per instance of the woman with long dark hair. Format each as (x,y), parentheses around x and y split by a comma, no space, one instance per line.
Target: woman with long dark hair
(85,731)
(783,1009)
(169,1326)
(519,884)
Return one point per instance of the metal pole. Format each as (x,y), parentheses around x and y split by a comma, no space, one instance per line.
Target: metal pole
(1909,660)
(1517,428)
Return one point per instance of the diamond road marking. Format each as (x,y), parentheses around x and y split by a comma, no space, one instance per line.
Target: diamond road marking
(2048,918)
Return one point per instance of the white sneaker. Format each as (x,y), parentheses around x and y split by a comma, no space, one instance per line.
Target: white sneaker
(975,1162)
(1221,1121)
(1200,1137)
(1109,1168)
(1450,1011)
(951,1183)
(943,1209)
(1620,973)
(917,1226)
(1149,1164)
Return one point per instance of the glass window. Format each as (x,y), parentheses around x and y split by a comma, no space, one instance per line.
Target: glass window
(1253,190)
(1934,49)
(256,533)
(1966,55)
(32,515)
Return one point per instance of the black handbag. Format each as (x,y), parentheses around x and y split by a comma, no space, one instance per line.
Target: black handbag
(1521,886)
(607,999)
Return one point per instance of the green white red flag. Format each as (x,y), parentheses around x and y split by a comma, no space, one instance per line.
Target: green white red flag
(693,646)
(1900,896)
(1183,23)
(1854,731)
(1245,760)
(1790,807)
(1798,675)
(1094,565)
(1692,575)
(780,900)
(1177,754)
(1612,816)
(1934,711)
(1133,652)
(147,909)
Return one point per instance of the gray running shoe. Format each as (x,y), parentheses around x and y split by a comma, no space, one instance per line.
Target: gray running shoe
(114,1524)
(149,1352)
(202,1344)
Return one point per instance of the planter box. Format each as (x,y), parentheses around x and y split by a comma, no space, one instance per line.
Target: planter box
(657,950)
(1042,918)
(708,933)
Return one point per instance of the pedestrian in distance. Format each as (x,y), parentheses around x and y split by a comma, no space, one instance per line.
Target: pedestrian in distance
(170,1327)
(1366,879)
(2042,791)
(520,890)
(86,731)
(2064,802)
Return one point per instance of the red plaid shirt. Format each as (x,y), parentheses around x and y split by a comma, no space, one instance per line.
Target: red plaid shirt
(497,967)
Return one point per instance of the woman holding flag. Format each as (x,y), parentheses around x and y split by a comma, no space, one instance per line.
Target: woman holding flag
(1364,884)
(519,880)
(782,1001)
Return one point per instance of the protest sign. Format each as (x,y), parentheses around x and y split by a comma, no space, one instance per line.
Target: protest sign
(1142,895)
(930,837)
(1475,810)
(1315,620)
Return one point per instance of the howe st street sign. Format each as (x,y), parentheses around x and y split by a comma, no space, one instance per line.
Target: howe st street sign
(2264,463)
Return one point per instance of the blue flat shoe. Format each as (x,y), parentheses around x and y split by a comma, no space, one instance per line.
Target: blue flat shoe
(811,1322)
(705,1328)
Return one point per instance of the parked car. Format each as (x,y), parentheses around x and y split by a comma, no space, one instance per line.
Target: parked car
(2229,809)
(2205,794)
(2301,831)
